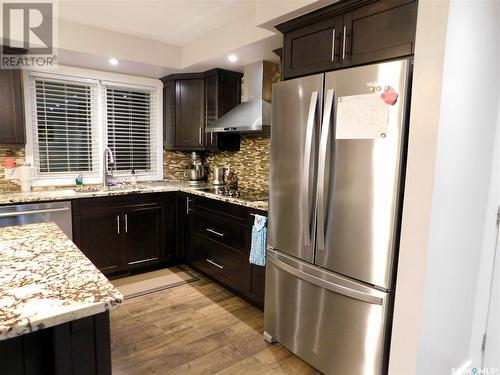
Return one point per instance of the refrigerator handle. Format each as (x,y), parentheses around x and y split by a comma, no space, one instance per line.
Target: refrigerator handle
(306,167)
(323,147)
(340,289)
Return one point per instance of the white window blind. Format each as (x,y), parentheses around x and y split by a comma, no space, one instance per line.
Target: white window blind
(65,127)
(131,128)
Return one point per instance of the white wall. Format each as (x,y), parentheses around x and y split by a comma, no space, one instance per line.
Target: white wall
(424,119)
(440,284)
(467,125)
(487,258)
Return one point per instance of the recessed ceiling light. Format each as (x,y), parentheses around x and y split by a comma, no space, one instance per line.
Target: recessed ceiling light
(113,61)
(232,58)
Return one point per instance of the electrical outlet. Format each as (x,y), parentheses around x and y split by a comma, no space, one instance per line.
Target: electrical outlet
(11,174)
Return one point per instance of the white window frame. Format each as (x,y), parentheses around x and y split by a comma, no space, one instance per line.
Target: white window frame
(102,78)
(153,116)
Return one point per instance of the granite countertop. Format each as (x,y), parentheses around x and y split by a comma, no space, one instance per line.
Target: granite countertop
(142,188)
(255,204)
(45,280)
(70,193)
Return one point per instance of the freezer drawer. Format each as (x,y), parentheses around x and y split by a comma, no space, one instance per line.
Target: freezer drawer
(335,324)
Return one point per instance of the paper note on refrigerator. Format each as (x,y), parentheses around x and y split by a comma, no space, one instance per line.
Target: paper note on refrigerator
(362,117)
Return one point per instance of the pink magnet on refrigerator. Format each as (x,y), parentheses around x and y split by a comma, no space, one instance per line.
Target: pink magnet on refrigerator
(389,96)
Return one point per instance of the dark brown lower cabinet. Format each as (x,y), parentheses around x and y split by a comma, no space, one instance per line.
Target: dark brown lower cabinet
(258,284)
(143,235)
(80,347)
(184,228)
(126,232)
(221,237)
(169,227)
(100,238)
(225,264)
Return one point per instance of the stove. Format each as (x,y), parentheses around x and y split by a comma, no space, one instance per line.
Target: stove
(245,194)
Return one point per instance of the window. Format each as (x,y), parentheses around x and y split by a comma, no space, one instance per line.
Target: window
(72,117)
(129,115)
(65,127)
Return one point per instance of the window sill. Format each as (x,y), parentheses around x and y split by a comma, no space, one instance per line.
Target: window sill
(70,181)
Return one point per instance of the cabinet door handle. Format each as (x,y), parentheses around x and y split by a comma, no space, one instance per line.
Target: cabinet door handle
(187,206)
(215,232)
(126,223)
(215,264)
(212,138)
(333,45)
(200,135)
(344,42)
(118,224)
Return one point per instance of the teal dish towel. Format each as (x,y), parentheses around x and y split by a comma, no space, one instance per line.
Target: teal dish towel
(259,240)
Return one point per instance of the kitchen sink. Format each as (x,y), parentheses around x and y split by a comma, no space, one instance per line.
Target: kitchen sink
(122,186)
(117,187)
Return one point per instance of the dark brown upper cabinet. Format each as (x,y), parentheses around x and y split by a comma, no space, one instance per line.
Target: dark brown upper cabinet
(223,93)
(211,103)
(348,33)
(379,31)
(190,114)
(191,101)
(11,108)
(313,48)
(169,114)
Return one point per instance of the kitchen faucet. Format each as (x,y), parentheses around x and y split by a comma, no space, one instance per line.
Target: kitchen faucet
(107,173)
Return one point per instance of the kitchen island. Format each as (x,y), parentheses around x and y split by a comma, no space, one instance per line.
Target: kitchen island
(53,305)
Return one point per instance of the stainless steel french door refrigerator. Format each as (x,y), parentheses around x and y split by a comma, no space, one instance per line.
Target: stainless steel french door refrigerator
(337,169)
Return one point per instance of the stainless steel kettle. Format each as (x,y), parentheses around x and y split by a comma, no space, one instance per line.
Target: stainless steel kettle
(219,177)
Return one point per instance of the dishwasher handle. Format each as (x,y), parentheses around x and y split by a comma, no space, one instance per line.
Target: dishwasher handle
(33,212)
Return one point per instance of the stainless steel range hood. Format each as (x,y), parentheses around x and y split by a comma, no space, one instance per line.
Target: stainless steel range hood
(254,113)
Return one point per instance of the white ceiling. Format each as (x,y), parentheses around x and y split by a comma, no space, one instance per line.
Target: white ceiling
(174,22)
(158,37)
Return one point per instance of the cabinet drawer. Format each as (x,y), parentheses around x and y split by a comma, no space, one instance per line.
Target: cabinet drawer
(232,211)
(222,263)
(222,229)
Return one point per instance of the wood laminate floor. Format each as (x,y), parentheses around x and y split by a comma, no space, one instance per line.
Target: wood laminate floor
(195,328)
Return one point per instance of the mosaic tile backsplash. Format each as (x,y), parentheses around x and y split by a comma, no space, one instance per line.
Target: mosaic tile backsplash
(5,153)
(251,162)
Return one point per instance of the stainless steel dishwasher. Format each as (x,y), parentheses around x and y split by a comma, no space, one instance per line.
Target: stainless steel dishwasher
(57,212)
